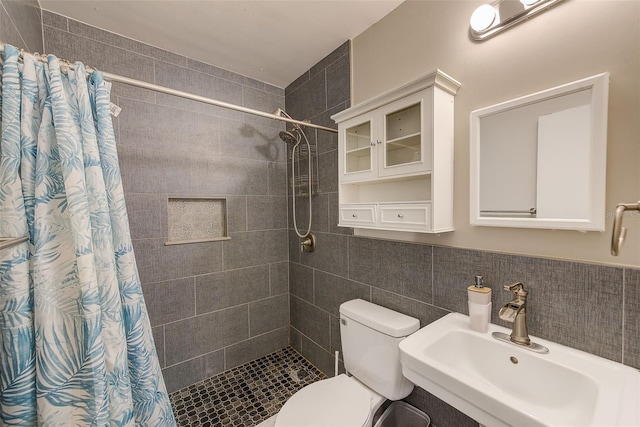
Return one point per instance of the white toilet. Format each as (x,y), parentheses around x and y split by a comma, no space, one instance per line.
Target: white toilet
(370,336)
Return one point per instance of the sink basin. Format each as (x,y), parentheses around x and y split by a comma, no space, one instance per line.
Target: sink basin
(502,384)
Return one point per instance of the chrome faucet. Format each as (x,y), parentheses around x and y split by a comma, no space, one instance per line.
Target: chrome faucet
(515,311)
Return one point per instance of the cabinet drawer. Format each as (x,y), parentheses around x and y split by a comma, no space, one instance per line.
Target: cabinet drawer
(358,215)
(406,216)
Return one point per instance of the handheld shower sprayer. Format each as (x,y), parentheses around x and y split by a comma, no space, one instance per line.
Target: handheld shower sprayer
(294,138)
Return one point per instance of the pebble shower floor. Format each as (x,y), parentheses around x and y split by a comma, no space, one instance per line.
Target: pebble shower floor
(245,395)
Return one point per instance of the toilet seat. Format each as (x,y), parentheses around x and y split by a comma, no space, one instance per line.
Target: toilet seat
(335,402)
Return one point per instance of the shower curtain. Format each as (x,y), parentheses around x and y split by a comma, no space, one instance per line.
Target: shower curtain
(76,346)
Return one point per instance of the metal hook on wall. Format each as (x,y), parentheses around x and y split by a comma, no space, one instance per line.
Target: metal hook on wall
(620,232)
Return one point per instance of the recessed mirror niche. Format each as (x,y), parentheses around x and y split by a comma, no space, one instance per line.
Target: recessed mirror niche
(539,161)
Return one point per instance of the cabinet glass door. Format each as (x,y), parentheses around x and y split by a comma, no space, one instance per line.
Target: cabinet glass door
(403,137)
(358,148)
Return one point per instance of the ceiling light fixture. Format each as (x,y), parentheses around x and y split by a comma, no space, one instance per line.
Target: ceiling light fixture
(490,19)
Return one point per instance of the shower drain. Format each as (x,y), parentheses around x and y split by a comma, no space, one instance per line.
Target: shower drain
(298,375)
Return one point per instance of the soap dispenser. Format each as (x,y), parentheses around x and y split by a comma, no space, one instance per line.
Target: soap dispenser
(479,306)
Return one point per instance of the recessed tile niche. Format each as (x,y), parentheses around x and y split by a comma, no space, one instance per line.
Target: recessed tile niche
(196,219)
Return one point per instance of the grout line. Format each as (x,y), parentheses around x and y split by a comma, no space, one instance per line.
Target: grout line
(246,213)
(433,276)
(223,348)
(205,274)
(624,286)
(289,320)
(42,25)
(307,337)
(211,312)
(195,298)
(314,306)
(249,319)
(164,348)
(348,252)
(331,336)
(222,258)
(324,69)
(119,124)
(326,89)
(313,286)
(372,287)
(224,358)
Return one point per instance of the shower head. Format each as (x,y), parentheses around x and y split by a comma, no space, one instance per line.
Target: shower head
(289,137)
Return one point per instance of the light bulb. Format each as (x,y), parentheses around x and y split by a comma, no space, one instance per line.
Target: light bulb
(482,17)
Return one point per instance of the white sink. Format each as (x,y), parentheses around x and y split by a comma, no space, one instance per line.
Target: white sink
(501,384)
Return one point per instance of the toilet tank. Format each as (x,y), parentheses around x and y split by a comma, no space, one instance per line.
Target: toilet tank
(370,336)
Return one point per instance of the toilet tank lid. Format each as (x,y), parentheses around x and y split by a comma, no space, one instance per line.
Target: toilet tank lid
(382,319)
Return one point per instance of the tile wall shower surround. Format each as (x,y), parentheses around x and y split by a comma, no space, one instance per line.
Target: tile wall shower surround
(246,395)
(171,147)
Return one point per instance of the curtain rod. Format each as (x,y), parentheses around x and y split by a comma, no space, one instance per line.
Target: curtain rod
(162,89)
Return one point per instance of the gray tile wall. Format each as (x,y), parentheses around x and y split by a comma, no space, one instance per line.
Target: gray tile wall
(21,24)
(594,308)
(212,305)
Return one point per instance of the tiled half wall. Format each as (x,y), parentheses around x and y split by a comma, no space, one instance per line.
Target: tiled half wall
(593,308)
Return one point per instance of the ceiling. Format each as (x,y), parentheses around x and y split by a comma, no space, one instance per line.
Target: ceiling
(271,41)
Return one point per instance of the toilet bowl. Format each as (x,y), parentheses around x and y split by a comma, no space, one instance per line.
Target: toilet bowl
(370,335)
(337,401)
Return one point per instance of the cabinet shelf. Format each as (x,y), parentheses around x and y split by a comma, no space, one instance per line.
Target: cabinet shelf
(358,135)
(408,141)
(359,150)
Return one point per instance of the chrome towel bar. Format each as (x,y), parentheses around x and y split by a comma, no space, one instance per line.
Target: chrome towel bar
(531,211)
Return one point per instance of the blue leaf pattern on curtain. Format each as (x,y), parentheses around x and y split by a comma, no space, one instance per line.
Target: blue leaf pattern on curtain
(76,343)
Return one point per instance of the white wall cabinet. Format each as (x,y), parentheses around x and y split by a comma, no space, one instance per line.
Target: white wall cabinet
(387,141)
(396,158)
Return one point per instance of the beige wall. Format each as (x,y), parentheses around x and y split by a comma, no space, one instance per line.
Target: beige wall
(575,39)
